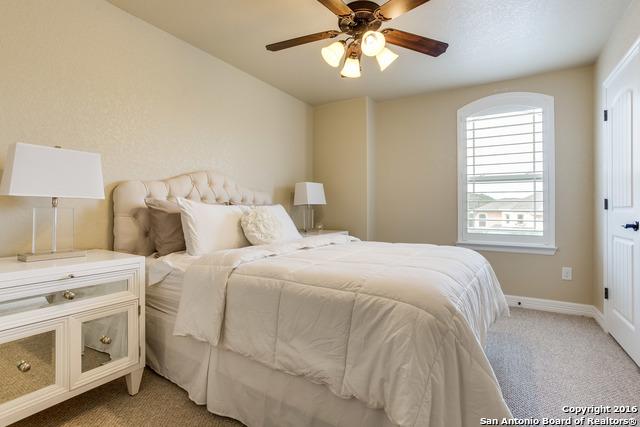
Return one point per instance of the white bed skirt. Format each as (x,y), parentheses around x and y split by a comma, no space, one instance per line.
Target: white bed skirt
(240,388)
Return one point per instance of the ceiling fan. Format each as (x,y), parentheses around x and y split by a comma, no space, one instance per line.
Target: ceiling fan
(360,21)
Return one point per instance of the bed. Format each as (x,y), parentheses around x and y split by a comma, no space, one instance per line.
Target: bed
(325,331)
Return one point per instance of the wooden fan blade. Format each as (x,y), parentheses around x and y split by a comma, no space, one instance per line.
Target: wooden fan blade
(302,40)
(415,42)
(337,7)
(394,8)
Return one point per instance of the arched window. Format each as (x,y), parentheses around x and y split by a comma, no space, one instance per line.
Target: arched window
(506,165)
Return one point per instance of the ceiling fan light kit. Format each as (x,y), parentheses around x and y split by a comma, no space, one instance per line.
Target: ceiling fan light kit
(360,20)
(372,43)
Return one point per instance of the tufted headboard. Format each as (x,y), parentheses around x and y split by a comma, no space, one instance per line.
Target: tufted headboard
(131,215)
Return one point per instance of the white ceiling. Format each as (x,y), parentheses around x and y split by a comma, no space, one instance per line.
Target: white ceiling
(489,40)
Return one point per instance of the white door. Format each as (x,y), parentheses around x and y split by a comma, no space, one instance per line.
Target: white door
(622,308)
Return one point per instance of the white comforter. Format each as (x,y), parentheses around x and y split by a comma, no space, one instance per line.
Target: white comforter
(398,326)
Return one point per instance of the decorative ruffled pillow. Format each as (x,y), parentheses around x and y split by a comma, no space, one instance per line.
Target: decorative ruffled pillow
(268,224)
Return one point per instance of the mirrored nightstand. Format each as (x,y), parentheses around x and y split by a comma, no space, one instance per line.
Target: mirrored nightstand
(67,326)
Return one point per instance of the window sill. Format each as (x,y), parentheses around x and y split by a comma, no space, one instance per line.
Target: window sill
(506,247)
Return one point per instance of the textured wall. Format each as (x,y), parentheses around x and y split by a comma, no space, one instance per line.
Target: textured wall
(86,75)
(342,161)
(416,188)
(626,33)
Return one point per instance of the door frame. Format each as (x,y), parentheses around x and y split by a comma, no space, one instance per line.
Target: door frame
(606,137)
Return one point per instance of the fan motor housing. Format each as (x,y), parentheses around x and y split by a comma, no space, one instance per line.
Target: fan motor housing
(364,18)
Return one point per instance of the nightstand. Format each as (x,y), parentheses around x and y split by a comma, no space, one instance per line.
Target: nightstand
(67,326)
(322,232)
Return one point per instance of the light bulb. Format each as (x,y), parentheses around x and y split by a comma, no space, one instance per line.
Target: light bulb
(333,53)
(372,43)
(351,68)
(385,58)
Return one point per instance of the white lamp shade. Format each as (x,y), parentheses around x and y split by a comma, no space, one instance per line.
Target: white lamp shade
(309,193)
(40,171)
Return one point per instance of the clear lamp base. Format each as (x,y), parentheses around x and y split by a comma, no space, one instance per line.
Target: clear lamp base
(52,234)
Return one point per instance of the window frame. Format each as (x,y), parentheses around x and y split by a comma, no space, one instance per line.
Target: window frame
(494,104)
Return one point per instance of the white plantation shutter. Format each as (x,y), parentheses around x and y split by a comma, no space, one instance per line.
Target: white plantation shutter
(504,173)
(505,177)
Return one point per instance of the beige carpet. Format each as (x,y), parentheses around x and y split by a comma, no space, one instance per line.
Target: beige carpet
(543,361)
(159,403)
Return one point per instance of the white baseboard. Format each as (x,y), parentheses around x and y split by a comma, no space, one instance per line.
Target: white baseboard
(557,307)
(599,317)
(550,305)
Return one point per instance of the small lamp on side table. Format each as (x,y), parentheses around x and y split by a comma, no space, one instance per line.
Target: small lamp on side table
(309,194)
(40,171)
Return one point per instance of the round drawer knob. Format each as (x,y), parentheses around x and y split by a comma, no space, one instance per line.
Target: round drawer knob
(105,340)
(69,295)
(24,366)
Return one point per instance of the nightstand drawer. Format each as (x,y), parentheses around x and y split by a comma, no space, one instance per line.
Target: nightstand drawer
(32,363)
(103,341)
(59,292)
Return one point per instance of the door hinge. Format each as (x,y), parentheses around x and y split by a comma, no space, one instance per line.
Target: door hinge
(606,115)
(606,204)
(606,293)
(139,310)
(139,352)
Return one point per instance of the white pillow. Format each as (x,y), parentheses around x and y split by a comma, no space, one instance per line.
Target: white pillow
(209,228)
(268,224)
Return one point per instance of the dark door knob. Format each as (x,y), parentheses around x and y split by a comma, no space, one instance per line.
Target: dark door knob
(635,226)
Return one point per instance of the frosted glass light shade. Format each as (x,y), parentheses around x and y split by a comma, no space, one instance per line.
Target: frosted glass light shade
(40,171)
(385,58)
(309,193)
(351,68)
(372,43)
(333,53)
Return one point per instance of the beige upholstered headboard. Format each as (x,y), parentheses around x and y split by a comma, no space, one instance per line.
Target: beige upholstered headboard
(131,216)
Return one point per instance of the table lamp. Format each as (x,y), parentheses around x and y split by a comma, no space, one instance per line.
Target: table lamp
(309,194)
(40,171)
